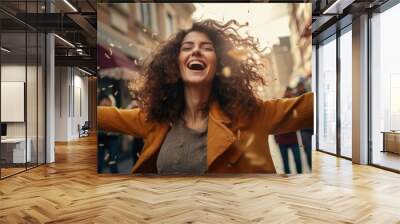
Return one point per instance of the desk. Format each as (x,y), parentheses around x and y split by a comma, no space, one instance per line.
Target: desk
(391,141)
(13,150)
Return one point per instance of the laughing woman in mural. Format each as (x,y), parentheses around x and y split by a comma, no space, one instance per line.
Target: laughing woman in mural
(199,112)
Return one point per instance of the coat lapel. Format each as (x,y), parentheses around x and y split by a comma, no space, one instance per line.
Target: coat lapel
(156,138)
(219,137)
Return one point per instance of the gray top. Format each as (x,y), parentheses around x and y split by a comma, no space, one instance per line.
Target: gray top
(184,151)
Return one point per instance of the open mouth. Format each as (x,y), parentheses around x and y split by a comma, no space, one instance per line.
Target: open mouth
(196,65)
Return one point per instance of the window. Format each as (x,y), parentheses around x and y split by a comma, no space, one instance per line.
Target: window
(346,93)
(327,95)
(145,12)
(385,88)
(22,65)
(169,25)
(394,102)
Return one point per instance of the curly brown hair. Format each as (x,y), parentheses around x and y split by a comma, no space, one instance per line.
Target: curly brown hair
(162,95)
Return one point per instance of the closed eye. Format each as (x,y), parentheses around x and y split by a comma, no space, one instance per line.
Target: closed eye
(185,48)
(209,48)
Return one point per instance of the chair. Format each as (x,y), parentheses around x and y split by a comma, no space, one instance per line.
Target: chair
(84,130)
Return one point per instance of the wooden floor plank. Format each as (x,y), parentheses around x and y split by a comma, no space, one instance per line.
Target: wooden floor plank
(70,191)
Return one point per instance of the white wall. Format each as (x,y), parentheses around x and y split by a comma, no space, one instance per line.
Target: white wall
(62,80)
(71,94)
(80,96)
(13,73)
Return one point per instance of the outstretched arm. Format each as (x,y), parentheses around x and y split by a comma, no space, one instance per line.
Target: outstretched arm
(126,121)
(288,114)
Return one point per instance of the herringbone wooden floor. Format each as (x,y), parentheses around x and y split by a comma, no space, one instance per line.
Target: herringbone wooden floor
(70,191)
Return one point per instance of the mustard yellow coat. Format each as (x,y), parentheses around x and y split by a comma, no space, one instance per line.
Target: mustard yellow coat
(232,147)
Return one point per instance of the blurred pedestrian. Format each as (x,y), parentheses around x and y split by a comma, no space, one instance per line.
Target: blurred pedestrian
(288,141)
(107,142)
(306,133)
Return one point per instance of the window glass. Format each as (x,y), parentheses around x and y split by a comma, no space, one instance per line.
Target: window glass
(327,96)
(145,15)
(14,153)
(346,94)
(385,84)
